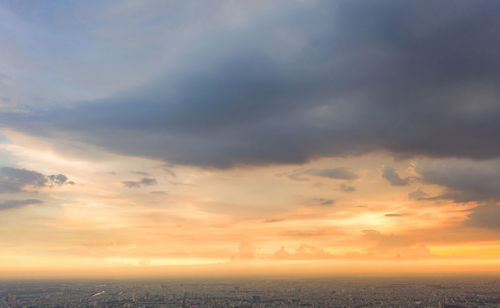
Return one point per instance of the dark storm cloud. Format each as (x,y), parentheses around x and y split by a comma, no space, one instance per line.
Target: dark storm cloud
(11,204)
(16,180)
(141,182)
(333,79)
(463,180)
(485,216)
(390,174)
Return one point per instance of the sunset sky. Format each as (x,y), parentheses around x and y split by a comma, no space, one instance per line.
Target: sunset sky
(313,137)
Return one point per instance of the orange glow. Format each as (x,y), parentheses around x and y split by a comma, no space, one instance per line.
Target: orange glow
(242,220)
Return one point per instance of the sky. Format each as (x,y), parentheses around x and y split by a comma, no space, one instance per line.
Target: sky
(143,138)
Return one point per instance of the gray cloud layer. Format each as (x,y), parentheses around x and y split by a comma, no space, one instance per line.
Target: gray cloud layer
(334,173)
(464,180)
(141,182)
(340,78)
(322,202)
(485,216)
(391,175)
(419,194)
(57,179)
(338,173)
(347,188)
(393,215)
(11,204)
(14,180)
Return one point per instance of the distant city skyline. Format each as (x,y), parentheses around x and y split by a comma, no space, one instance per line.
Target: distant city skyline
(243,138)
(257,293)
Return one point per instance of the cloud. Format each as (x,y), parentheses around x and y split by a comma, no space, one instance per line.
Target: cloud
(398,246)
(418,194)
(12,204)
(390,174)
(339,173)
(393,215)
(272,220)
(303,252)
(141,173)
(295,176)
(347,188)
(387,241)
(159,192)
(303,81)
(464,180)
(16,180)
(58,179)
(484,216)
(334,173)
(148,181)
(141,182)
(322,202)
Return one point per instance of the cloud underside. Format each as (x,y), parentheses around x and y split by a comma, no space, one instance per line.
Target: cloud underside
(334,173)
(485,216)
(463,180)
(141,182)
(12,204)
(14,180)
(391,175)
(339,78)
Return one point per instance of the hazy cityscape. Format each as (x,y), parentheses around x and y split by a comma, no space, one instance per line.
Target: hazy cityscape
(259,292)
